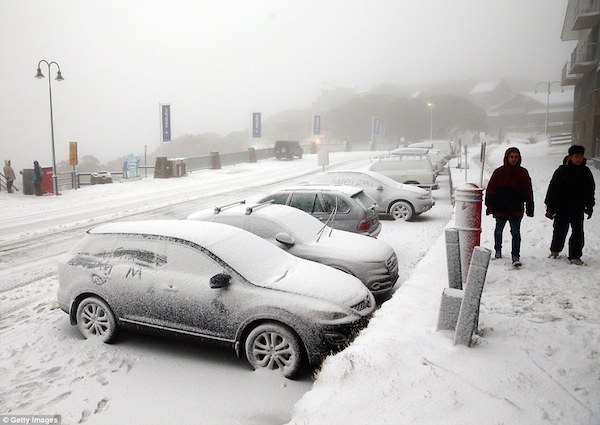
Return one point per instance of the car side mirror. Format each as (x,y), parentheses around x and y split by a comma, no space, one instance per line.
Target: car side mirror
(380,188)
(284,238)
(220,280)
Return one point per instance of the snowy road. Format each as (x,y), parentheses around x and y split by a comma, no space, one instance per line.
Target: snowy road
(48,369)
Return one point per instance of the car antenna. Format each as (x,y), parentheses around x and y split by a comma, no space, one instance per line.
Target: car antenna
(249,210)
(223,207)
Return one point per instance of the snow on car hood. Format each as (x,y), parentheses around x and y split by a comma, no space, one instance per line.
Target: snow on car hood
(352,247)
(318,281)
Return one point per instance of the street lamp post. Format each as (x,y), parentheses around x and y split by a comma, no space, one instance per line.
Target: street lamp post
(59,77)
(431,104)
(548,90)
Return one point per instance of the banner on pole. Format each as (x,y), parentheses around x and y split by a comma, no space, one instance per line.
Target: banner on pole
(316,125)
(165,123)
(256,125)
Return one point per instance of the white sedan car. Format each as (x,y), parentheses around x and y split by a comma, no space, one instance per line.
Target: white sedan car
(374,262)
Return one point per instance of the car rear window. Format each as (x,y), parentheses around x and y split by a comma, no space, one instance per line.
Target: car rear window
(365,200)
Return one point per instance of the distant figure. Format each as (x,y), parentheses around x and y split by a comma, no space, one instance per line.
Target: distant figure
(37,178)
(570,195)
(508,189)
(9,175)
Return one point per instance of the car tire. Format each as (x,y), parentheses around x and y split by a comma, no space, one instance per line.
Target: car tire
(401,210)
(96,320)
(275,347)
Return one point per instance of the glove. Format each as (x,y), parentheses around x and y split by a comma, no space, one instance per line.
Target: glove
(550,215)
(529,213)
(529,208)
(489,211)
(588,211)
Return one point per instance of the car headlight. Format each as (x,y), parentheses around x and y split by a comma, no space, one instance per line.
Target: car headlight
(328,315)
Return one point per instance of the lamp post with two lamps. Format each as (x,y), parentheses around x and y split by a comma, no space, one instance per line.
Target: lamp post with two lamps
(59,77)
(431,104)
(548,90)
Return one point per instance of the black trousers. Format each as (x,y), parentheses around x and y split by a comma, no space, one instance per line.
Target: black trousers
(561,228)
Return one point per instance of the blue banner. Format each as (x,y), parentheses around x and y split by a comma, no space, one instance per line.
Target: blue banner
(256,125)
(376,126)
(316,125)
(165,121)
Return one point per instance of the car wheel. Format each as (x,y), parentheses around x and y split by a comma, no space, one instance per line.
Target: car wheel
(401,210)
(274,347)
(96,320)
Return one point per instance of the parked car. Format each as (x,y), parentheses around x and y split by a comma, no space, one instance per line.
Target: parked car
(447,147)
(214,282)
(435,155)
(399,200)
(373,262)
(101,177)
(288,149)
(344,208)
(415,170)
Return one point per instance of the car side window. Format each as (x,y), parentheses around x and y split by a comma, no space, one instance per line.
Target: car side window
(303,201)
(185,259)
(277,198)
(329,202)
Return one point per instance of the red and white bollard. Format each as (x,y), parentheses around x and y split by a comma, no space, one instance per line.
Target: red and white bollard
(468,203)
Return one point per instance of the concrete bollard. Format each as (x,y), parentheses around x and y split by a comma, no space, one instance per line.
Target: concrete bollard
(449,309)
(453,258)
(469,308)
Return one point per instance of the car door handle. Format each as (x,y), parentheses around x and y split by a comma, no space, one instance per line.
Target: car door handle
(170,288)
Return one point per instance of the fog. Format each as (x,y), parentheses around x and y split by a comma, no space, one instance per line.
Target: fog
(216,62)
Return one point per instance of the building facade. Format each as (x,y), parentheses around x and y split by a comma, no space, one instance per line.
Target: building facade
(582,23)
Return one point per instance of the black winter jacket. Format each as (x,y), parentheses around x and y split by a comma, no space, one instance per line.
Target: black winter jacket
(571,190)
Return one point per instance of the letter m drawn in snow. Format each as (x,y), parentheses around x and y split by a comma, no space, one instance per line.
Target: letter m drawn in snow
(133,272)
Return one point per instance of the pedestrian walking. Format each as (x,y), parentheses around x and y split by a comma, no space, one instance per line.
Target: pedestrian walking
(9,175)
(508,195)
(37,178)
(570,195)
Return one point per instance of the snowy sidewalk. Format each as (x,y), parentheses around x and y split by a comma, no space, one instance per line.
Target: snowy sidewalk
(537,360)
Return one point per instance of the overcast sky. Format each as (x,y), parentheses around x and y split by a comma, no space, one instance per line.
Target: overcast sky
(216,62)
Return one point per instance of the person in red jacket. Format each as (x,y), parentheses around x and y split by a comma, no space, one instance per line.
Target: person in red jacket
(508,195)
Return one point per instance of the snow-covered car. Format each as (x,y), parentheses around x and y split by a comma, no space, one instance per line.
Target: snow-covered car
(214,282)
(447,147)
(372,261)
(345,208)
(435,155)
(101,177)
(401,201)
(416,170)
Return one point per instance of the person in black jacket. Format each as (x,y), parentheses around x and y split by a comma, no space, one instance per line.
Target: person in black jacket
(508,195)
(570,194)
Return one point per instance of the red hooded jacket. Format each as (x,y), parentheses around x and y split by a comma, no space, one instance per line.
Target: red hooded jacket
(509,189)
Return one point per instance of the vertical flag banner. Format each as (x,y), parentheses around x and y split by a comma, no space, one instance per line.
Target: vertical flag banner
(73,160)
(256,125)
(165,123)
(316,125)
(376,126)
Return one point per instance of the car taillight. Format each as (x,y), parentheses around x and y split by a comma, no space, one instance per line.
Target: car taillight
(364,225)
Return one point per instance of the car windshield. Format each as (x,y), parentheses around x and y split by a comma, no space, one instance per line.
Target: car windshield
(304,227)
(243,251)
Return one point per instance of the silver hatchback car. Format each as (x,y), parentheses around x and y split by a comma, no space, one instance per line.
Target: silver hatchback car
(214,282)
(340,207)
(374,262)
(401,201)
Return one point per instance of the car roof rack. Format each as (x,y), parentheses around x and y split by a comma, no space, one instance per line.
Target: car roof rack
(224,207)
(251,209)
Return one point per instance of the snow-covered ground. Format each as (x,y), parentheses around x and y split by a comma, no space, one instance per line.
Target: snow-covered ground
(536,360)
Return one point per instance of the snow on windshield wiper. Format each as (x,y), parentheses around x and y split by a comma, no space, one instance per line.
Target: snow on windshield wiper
(331,218)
